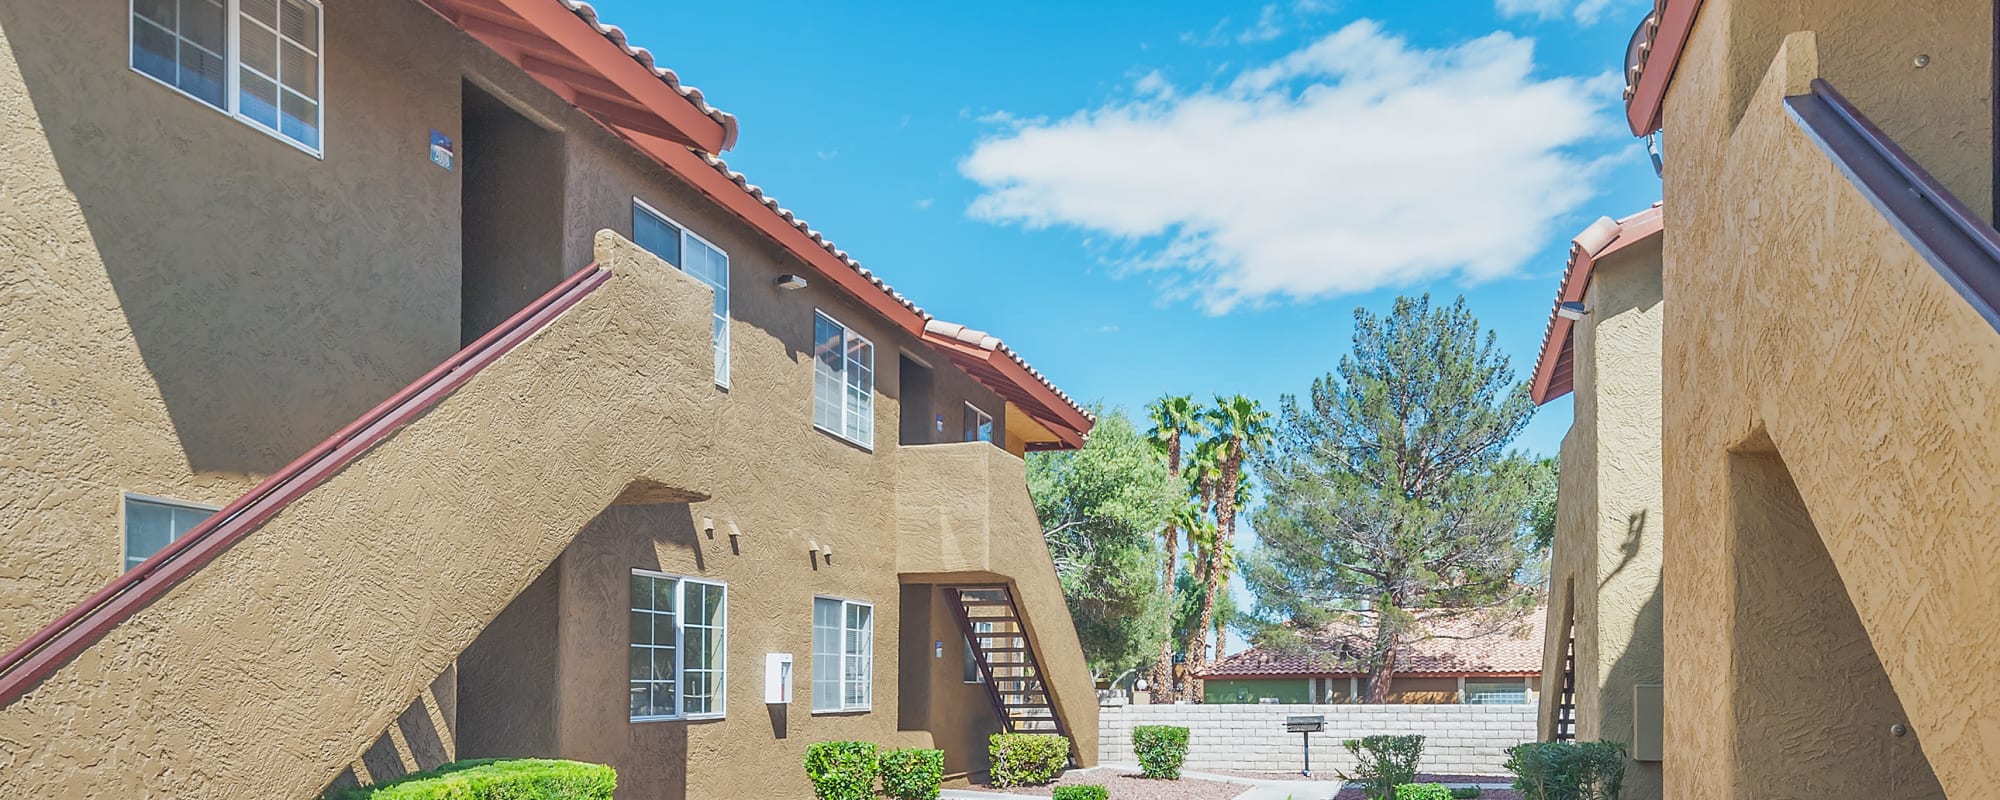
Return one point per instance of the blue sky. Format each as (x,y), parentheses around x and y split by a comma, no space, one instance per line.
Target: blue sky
(1182,197)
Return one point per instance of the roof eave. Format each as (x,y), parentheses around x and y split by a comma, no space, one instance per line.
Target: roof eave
(1670,22)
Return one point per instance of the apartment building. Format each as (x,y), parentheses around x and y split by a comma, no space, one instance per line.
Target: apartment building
(1601,667)
(388,382)
(1830,366)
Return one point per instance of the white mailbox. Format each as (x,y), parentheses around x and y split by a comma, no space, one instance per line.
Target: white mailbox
(778,678)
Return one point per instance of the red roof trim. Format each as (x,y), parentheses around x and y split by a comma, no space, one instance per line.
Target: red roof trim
(1553,369)
(578,53)
(1647,78)
(1034,397)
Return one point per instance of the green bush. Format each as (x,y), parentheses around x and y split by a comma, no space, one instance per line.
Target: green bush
(495,779)
(1465,792)
(1081,791)
(1422,791)
(1162,749)
(842,770)
(1382,763)
(912,774)
(1026,759)
(1567,770)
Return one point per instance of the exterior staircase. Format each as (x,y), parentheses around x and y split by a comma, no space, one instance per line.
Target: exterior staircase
(1006,659)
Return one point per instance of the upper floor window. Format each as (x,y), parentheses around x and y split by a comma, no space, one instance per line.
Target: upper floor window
(978,425)
(843,381)
(695,256)
(255,60)
(679,637)
(151,523)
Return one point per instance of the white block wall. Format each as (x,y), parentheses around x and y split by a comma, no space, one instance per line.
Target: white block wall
(1458,739)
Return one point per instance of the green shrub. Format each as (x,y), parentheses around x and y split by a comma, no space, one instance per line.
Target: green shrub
(1081,791)
(1382,763)
(912,774)
(1422,791)
(495,779)
(1026,759)
(1162,749)
(842,770)
(1567,770)
(1465,792)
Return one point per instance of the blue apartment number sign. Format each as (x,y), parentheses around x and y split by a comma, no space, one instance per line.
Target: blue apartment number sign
(441,152)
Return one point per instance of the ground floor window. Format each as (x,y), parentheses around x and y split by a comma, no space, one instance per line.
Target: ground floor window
(843,670)
(679,641)
(152,522)
(1483,693)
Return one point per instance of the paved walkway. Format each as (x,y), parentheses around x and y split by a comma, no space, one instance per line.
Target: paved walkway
(1257,788)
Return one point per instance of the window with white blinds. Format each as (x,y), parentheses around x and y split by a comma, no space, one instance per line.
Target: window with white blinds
(843,670)
(843,381)
(256,60)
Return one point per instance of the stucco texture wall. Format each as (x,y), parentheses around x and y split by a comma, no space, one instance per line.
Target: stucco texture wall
(1605,565)
(1803,331)
(287,655)
(190,302)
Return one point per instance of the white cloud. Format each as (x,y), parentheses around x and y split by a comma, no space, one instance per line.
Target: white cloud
(1354,163)
(1266,29)
(923,204)
(1586,12)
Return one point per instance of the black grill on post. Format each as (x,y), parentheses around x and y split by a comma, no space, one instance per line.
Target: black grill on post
(1305,725)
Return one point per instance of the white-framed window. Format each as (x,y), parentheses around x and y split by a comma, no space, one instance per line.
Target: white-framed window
(1512,692)
(972,672)
(843,381)
(260,61)
(843,670)
(679,647)
(677,245)
(978,425)
(153,522)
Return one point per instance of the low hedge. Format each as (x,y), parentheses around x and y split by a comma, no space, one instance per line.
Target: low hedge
(1423,791)
(1465,792)
(1382,763)
(1026,759)
(843,770)
(495,779)
(1162,749)
(1567,770)
(1081,791)
(912,774)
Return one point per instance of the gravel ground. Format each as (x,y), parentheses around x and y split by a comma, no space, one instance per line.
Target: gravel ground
(1330,776)
(1133,787)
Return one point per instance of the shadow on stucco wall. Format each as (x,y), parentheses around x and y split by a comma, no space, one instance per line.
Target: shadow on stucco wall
(1814,711)
(272,295)
(1642,662)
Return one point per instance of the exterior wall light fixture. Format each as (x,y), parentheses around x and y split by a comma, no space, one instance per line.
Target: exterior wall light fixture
(1571,311)
(790,282)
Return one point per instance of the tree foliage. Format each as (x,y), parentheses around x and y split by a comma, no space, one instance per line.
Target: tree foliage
(1390,492)
(1101,509)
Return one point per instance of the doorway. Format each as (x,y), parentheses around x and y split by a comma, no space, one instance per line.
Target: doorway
(917,422)
(510,202)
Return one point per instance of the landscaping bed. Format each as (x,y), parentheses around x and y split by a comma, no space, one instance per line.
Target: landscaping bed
(1130,786)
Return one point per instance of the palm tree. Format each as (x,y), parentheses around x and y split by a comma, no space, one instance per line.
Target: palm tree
(1175,418)
(1239,427)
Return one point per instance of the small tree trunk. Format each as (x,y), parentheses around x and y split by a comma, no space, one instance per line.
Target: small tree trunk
(1197,649)
(1163,671)
(1383,672)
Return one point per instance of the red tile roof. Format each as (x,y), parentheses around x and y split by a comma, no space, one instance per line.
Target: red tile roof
(1554,376)
(1462,645)
(1651,58)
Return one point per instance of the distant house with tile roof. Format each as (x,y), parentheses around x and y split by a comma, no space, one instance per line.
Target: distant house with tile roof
(1463,659)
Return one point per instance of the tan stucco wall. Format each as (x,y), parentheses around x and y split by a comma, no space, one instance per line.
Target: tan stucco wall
(963,515)
(1605,566)
(1802,328)
(268,671)
(192,303)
